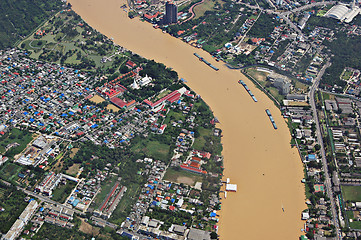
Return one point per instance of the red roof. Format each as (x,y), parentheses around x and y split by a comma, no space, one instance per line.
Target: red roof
(131,64)
(171,208)
(171,97)
(118,102)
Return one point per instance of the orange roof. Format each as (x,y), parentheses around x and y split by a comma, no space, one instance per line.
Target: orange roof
(195,165)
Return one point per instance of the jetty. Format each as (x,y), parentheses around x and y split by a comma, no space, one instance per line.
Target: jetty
(248,90)
(229,186)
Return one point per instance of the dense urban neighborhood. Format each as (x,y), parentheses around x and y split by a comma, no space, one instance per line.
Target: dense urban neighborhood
(97,142)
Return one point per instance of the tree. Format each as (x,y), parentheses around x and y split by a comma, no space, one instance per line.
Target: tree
(214,235)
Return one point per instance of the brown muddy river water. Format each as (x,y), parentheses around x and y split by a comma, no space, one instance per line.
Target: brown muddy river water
(257,157)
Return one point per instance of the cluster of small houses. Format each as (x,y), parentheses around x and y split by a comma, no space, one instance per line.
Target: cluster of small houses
(159,193)
(37,215)
(343,117)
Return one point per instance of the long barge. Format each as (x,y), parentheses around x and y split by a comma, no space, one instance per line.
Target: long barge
(248,90)
(271,118)
(205,61)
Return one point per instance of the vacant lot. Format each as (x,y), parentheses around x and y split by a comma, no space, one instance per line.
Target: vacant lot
(181,176)
(88,229)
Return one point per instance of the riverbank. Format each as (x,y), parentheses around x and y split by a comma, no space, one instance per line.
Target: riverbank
(257,158)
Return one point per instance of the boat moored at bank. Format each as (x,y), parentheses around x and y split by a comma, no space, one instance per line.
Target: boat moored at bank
(248,90)
(271,118)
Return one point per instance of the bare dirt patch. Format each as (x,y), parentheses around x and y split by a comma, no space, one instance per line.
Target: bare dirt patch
(185,180)
(73,170)
(73,152)
(113,107)
(88,229)
(97,99)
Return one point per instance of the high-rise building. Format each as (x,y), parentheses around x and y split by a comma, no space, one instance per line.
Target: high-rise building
(171,12)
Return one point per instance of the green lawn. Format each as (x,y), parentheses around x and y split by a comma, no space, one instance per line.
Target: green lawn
(15,135)
(200,141)
(63,191)
(153,149)
(351,193)
(200,9)
(10,171)
(355,225)
(174,116)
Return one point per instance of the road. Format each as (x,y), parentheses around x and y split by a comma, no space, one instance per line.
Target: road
(323,153)
(48,200)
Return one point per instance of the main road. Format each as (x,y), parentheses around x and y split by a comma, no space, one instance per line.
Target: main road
(323,153)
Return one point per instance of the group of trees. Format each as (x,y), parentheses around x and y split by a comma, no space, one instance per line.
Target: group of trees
(345,50)
(95,157)
(18,18)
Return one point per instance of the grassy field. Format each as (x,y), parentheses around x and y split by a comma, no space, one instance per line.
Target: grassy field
(15,136)
(174,116)
(181,176)
(62,191)
(153,149)
(200,9)
(351,193)
(346,75)
(260,76)
(200,141)
(124,206)
(10,171)
(355,225)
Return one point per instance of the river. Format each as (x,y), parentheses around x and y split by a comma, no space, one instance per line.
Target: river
(257,157)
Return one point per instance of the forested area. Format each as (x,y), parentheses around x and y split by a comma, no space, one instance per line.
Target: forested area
(94,157)
(263,27)
(346,53)
(12,201)
(18,18)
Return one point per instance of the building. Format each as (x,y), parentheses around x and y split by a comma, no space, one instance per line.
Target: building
(50,182)
(19,224)
(171,13)
(342,13)
(281,82)
(196,234)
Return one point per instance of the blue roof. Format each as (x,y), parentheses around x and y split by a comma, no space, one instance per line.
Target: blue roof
(212,214)
(94,126)
(311,156)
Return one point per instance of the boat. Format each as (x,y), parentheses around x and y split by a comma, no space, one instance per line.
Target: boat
(248,90)
(271,118)
(205,61)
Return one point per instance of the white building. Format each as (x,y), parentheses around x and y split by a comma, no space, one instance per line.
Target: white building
(343,13)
